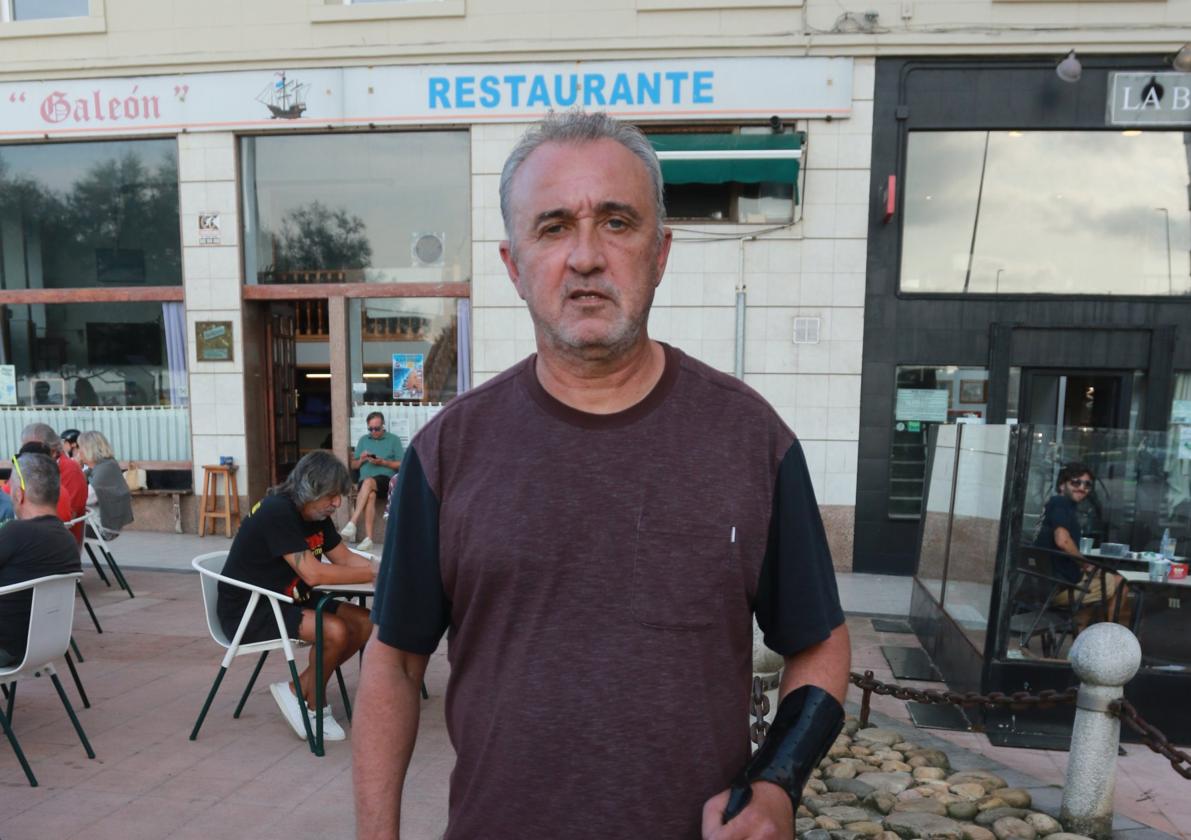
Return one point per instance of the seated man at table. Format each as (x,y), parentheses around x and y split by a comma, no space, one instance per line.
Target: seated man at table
(1060,531)
(281,546)
(377,456)
(37,544)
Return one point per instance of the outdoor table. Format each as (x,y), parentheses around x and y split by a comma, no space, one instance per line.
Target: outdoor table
(1139,582)
(326,593)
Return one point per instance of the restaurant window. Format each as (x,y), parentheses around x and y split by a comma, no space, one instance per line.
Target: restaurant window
(44,9)
(95,214)
(357,208)
(725,176)
(928,396)
(89,354)
(1047,212)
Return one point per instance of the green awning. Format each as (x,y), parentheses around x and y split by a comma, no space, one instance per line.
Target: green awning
(723,158)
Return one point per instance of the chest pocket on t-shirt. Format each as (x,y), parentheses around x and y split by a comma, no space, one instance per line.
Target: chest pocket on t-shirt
(680,574)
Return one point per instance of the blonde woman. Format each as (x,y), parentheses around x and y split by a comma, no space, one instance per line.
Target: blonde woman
(108,491)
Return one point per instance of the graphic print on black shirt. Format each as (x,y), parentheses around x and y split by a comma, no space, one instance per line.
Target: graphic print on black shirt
(273,529)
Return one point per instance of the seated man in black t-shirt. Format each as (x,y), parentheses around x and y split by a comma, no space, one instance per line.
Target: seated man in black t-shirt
(35,544)
(1060,531)
(280,546)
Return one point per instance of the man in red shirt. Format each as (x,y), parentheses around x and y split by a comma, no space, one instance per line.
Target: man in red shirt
(72,500)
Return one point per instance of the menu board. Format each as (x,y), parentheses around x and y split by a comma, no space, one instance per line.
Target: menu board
(8,385)
(922,404)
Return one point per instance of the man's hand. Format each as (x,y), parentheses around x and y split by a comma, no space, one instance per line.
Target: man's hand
(768,815)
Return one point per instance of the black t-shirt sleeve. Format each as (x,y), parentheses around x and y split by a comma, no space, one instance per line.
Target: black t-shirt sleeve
(331,536)
(411,611)
(797,601)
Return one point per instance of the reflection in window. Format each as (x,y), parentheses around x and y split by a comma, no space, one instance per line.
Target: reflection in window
(89,214)
(375,208)
(927,396)
(1054,212)
(44,9)
(743,189)
(405,349)
(89,354)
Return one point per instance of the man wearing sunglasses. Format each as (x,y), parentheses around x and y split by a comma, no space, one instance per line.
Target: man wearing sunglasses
(377,456)
(1060,531)
(35,545)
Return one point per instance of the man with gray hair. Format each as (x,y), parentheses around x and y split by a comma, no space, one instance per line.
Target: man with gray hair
(281,546)
(34,545)
(595,529)
(72,500)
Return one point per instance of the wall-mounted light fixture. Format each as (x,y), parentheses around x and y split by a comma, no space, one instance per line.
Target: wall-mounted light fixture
(1069,69)
(1182,59)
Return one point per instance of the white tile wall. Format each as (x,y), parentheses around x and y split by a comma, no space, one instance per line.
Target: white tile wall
(212,279)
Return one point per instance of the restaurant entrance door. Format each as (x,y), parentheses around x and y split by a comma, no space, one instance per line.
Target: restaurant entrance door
(1095,399)
(281,393)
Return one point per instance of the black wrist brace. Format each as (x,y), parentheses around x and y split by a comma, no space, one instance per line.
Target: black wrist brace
(807,722)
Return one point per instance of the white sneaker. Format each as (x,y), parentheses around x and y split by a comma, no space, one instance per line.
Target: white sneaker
(332,731)
(290,708)
(365,544)
(348,532)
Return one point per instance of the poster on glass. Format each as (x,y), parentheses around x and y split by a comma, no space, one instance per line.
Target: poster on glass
(407,376)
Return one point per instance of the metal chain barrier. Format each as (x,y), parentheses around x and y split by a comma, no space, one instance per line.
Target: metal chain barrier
(993,700)
(1152,737)
(759,707)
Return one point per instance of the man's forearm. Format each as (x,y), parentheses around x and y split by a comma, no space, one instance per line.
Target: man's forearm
(826,665)
(385,728)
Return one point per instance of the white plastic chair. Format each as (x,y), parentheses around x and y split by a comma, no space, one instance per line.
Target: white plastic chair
(92,539)
(210,568)
(51,616)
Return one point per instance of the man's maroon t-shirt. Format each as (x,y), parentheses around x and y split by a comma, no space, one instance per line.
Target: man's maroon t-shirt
(597,577)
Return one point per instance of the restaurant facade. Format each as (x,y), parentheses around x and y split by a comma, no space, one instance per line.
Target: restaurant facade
(232,232)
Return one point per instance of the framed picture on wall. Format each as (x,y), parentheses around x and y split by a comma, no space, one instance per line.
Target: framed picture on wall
(973,391)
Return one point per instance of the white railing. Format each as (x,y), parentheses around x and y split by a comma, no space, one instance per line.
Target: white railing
(137,433)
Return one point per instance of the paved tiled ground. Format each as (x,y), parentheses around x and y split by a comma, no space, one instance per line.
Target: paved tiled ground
(147,675)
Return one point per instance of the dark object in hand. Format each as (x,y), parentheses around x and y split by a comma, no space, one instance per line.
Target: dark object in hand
(807,722)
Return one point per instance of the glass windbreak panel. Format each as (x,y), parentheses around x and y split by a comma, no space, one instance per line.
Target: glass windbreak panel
(927,396)
(1047,212)
(89,214)
(42,9)
(1139,494)
(86,354)
(360,208)
(983,453)
(932,555)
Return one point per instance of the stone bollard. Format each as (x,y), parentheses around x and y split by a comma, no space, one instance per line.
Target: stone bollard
(1104,657)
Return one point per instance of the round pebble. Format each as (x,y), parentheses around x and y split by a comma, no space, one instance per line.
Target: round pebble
(1044,824)
(962,810)
(929,774)
(1012,828)
(969,790)
(1015,797)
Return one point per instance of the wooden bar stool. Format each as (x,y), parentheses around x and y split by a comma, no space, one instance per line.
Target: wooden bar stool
(231,498)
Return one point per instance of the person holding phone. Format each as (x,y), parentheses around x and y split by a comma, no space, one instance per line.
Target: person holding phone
(377,456)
